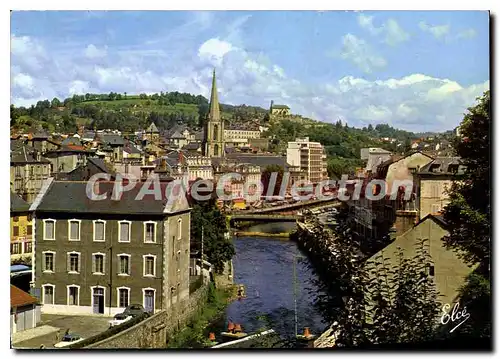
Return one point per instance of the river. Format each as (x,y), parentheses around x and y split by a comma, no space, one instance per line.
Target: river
(265,267)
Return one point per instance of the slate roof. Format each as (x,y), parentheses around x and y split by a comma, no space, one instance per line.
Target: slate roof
(199,135)
(177,135)
(152,128)
(112,139)
(17,204)
(19,298)
(441,163)
(24,155)
(259,160)
(72,141)
(16,144)
(42,135)
(100,164)
(130,148)
(192,146)
(438,218)
(281,106)
(71,197)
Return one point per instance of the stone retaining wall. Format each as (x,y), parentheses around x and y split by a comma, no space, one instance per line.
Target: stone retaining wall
(155,331)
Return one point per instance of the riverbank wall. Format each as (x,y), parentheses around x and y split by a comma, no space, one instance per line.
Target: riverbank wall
(155,331)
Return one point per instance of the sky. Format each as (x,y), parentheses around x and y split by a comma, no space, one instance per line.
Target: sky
(415,70)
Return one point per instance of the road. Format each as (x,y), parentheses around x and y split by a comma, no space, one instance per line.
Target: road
(86,326)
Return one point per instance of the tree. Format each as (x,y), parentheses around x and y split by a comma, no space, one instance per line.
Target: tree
(55,103)
(206,217)
(469,210)
(374,303)
(468,214)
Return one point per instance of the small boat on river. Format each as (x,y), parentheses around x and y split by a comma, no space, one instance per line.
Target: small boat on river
(234,331)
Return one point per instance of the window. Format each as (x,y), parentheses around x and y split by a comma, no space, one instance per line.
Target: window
(74,262)
(74,230)
(28,247)
(124,264)
(29,230)
(73,295)
(15,248)
(149,265)
(98,263)
(15,231)
(124,231)
(123,297)
(435,190)
(99,231)
(49,229)
(430,270)
(150,232)
(179,228)
(15,218)
(48,261)
(48,293)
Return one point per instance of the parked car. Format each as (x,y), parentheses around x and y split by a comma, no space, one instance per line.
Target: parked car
(119,319)
(68,339)
(134,310)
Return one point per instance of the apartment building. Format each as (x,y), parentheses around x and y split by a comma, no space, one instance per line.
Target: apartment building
(310,157)
(239,137)
(433,181)
(97,257)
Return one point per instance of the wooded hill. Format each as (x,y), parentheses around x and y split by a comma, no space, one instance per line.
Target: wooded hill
(130,113)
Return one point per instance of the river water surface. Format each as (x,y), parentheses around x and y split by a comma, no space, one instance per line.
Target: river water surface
(265,267)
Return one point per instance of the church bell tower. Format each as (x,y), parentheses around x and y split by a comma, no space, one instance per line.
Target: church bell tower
(213,143)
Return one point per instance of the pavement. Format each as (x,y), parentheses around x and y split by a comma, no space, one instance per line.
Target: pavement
(52,327)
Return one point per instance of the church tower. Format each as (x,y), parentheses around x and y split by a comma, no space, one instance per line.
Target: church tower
(213,143)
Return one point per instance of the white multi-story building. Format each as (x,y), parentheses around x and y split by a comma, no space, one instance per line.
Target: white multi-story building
(310,157)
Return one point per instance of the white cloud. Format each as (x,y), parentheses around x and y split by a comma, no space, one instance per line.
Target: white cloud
(214,50)
(414,102)
(467,34)
(93,52)
(361,54)
(438,31)
(78,87)
(23,81)
(392,32)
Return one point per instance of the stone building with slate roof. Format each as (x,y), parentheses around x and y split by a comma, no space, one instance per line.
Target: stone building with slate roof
(28,170)
(152,133)
(99,256)
(433,180)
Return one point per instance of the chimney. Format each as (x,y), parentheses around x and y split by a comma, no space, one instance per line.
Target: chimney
(163,164)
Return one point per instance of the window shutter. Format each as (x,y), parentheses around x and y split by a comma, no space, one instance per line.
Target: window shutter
(69,262)
(74,230)
(94,259)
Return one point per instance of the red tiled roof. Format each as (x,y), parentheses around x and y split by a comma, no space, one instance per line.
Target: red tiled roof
(18,298)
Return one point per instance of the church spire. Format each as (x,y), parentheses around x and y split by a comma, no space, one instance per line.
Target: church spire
(214,113)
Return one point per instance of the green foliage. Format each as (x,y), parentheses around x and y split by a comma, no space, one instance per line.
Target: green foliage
(338,166)
(193,335)
(469,210)
(468,215)
(266,177)
(376,303)
(206,217)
